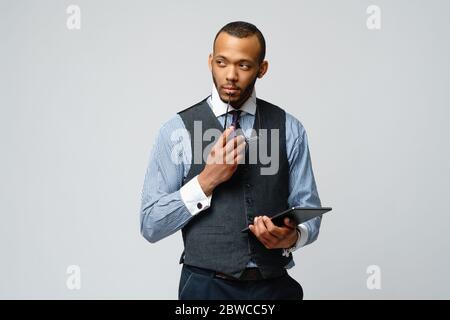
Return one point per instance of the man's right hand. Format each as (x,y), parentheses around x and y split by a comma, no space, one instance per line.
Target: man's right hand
(222,161)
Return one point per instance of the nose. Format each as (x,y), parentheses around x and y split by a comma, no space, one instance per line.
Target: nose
(232,74)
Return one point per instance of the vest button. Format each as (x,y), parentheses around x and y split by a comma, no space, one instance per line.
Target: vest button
(248,185)
(249,201)
(199,205)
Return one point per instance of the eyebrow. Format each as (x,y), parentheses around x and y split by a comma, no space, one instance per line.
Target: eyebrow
(242,60)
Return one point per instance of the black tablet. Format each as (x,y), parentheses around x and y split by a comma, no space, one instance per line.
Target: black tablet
(300,215)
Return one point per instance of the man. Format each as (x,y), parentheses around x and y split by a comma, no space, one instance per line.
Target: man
(212,200)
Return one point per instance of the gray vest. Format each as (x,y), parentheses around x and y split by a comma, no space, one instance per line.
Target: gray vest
(213,238)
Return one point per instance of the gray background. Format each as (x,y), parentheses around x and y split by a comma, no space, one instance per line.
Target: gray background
(80,110)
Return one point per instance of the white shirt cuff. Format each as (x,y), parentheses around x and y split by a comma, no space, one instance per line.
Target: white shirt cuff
(194,198)
(302,231)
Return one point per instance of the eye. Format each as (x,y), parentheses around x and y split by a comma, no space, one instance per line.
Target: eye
(220,62)
(245,66)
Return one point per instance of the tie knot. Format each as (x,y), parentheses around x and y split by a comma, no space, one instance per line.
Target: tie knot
(235,121)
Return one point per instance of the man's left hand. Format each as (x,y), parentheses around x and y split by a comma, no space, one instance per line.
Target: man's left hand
(272,236)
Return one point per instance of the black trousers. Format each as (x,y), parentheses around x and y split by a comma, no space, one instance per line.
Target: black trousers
(201,284)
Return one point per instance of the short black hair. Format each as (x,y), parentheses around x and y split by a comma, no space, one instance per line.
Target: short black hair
(242,29)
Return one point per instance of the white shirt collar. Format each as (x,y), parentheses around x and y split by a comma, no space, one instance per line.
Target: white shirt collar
(220,108)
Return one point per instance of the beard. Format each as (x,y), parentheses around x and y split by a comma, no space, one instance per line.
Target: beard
(245,94)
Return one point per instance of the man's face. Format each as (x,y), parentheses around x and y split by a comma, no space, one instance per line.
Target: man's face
(235,67)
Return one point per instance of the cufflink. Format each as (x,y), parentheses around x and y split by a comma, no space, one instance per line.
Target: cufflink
(199,205)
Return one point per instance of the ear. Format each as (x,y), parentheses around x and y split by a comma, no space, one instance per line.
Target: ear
(263,69)
(210,57)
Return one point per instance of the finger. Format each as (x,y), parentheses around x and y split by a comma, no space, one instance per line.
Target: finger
(237,156)
(240,149)
(234,143)
(224,137)
(217,153)
(255,228)
(290,223)
(241,139)
(259,226)
(231,152)
(240,159)
(264,233)
(224,154)
(216,156)
(228,150)
(252,228)
(275,231)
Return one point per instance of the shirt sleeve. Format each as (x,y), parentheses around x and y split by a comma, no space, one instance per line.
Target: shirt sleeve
(166,206)
(302,232)
(194,198)
(302,186)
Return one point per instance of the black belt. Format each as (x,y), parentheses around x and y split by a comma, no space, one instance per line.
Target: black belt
(249,274)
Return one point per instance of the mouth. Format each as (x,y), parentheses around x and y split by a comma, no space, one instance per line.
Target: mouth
(230,90)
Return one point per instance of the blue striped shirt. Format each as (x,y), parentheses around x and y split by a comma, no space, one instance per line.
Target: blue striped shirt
(163,211)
